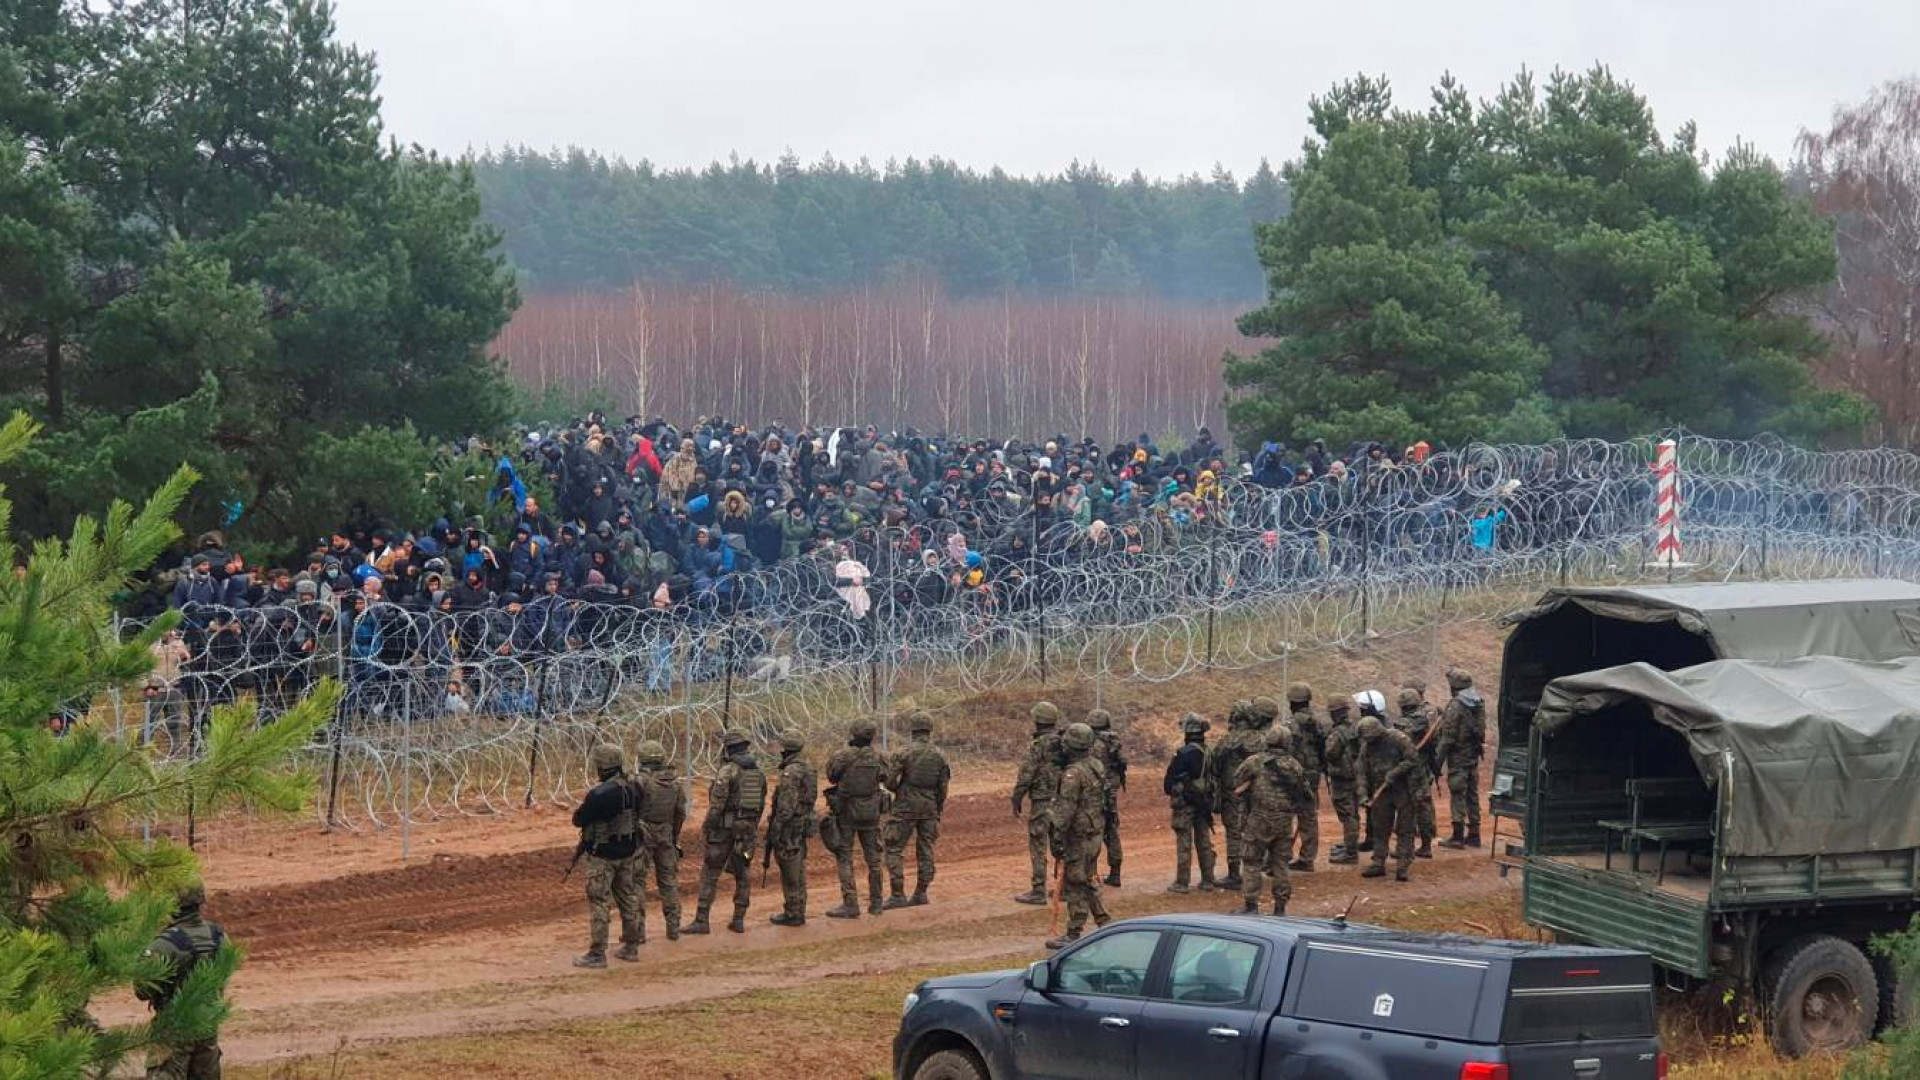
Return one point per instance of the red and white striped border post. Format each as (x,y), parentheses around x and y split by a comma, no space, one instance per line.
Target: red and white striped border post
(1666,503)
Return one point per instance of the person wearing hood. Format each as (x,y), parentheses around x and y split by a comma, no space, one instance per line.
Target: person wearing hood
(600,504)
(735,513)
(796,529)
(678,473)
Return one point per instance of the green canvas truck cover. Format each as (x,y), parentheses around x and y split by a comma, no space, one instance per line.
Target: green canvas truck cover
(1863,618)
(1823,753)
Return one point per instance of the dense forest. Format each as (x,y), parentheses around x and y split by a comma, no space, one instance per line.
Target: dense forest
(580,220)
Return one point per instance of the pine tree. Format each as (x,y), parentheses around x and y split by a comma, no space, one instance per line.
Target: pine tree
(80,895)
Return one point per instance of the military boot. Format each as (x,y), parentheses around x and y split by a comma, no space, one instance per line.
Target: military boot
(1425,850)
(1113,876)
(849,909)
(1402,875)
(1301,866)
(591,960)
(699,923)
(874,906)
(1032,896)
(628,952)
(1207,884)
(1375,870)
(1366,844)
(899,900)
(1179,887)
(1232,880)
(1473,837)
(784,919)
(1249,907)
(1064,940)
(739,922)
(673,930)
(1340,856)
(1279,907)
(919,897)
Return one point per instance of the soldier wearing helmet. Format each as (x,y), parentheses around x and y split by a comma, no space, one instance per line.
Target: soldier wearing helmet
(1079,812)
(789,825)
(188,941)
(1388,768)
(735,799)
(1038,783)
(1270,788)
(1190,793)
(1461,743)
(1342,748)
(857,803)
(663,814)
(1416,721)
(609,823)
(1113,760)
(1310,750)
(918,777)
(1242,742)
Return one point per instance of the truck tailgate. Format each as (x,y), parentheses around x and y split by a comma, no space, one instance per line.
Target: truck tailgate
(1581,1018)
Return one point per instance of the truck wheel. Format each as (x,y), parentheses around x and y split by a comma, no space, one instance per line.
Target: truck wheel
(1899,1001)
(1820,996)
(951,1065)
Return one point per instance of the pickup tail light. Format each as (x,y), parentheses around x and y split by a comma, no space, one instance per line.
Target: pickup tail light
(1481,1070)
(1660,1065)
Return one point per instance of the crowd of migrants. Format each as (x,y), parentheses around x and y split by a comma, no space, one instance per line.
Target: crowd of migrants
(656,533)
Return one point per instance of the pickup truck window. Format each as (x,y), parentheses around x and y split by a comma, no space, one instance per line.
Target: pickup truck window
(1212,971)
(1115,965)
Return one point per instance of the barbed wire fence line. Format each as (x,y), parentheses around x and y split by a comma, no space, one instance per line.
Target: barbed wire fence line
(1244,578)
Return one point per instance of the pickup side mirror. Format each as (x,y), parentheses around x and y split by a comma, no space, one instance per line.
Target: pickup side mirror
(1040,976)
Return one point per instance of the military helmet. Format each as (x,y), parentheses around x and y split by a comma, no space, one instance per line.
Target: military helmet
(863,729)
(1371,727)
(1077,737)
(1458,679)
(1299,692)
(1045,714)
(1193,723)
(652,750)
(1240,713)
(605,757)
(1100,720)
(1339,703)
(1372,702)
(731,738)
(1265,710)
(1279,737)
(190,896)
(1416,684)
(793,739)
(920,720)
(1409,697)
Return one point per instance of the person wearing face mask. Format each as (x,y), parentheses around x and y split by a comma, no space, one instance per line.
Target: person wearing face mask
(198,585)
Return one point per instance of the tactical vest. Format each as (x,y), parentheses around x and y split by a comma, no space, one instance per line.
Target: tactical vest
(620,827)
(662,799)
(861,778)
(1045,783)
(1339,758)
(923,769)
(1309,746)
(750,792)
(196,943)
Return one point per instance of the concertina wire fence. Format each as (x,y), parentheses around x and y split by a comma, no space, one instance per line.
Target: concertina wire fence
(1262,575)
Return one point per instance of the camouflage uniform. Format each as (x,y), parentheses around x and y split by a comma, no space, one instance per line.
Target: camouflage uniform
(1310,750)
(1078,827)
(663,814)
(1189,792)
(1388,766)
(1418,723)
(789,825)
(1039,781)
(1461,743)
(184,944)
(1114,761)
(1240,743)
(1343,747)
(609,821)
(1270,787)
(734,802)
(918,777)
(856,803)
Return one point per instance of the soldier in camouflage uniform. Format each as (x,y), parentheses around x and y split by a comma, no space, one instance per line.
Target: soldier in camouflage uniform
(856,804)
(1190,792)
(1270,788)
(789,825)
(1038,783)
(1241,742)
(918,777)
(1460,744)
(1310,750)
(1418,723)
(609,823)
(1078,827)
(1343,746)
(188,941)
(663,814)
(1114,760)
(1389,767)
(734,802)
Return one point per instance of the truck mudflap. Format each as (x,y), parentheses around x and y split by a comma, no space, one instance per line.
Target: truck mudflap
(1601,908)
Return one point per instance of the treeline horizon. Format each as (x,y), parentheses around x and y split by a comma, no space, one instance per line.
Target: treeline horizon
(578,219)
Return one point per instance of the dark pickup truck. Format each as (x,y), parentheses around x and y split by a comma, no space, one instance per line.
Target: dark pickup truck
(1255,998)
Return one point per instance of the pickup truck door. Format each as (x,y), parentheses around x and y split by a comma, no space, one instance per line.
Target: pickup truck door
(1203,1017)
(1086,1026)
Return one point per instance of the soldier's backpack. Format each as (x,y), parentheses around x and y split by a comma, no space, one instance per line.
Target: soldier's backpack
(197,948)
(860,789)
(751,791)
(923,769)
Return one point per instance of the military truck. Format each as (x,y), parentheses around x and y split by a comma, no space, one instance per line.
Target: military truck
(1574,630)
(1749,824)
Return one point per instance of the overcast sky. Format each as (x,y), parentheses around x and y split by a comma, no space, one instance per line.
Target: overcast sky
(1167,86)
